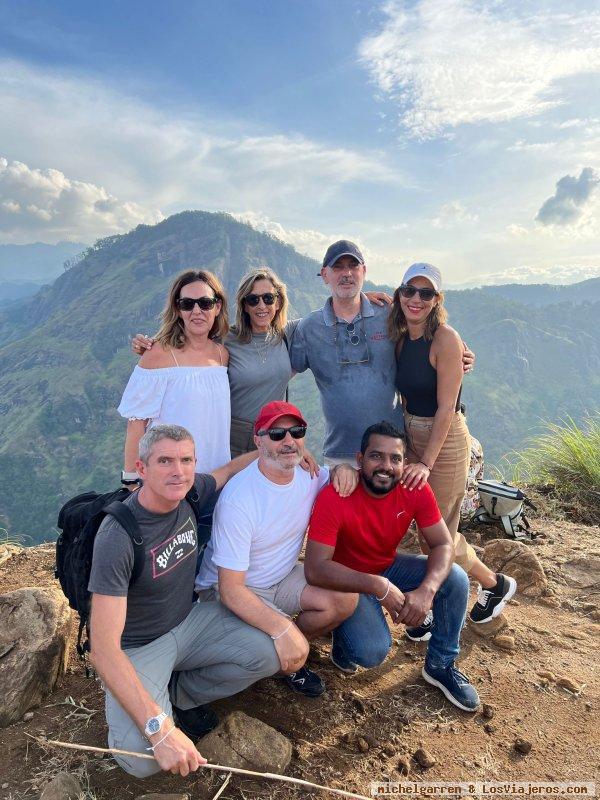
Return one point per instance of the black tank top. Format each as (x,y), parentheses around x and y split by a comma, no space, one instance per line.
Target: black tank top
(416,379)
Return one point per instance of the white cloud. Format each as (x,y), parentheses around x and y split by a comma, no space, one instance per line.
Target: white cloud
(46,204)
(453,62)
(453,214)
(309,242)
(557,274)
(179,159)
(567,205)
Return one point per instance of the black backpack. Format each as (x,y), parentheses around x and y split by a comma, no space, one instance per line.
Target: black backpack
(79,520)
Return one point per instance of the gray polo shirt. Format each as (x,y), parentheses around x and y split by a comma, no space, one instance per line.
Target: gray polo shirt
(356,381)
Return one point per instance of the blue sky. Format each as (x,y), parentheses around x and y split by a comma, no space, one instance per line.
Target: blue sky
(462,133)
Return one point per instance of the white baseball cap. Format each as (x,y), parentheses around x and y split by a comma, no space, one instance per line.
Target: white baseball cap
(424,271)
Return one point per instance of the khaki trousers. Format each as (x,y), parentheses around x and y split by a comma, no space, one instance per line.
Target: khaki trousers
(448,478)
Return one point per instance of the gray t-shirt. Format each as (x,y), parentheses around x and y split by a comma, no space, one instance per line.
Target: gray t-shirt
(259,371)
(355,381)
(161,597)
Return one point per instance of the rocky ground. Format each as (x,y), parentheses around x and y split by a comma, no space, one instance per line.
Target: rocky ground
(536,669)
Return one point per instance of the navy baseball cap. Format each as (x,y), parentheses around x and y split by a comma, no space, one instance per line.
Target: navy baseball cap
(339,249)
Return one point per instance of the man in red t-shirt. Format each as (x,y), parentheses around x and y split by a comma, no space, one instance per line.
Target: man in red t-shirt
(351,547)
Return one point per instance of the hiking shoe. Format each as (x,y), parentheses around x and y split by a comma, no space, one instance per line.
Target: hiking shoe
(422,632)
(453,684)
(306,682)
(490,602)
(195,722)
(339,660)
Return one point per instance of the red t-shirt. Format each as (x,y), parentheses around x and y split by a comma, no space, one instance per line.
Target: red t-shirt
(366,530)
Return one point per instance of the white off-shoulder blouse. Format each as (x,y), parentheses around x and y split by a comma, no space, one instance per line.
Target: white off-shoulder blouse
(195,397)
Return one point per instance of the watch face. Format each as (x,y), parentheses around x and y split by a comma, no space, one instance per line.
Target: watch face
(153,725)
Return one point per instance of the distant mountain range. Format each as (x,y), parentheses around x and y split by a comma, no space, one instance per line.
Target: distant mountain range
(65,356)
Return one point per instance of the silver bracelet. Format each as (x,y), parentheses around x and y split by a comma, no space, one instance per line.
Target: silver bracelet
(161,740)
(279,635)
(386,592)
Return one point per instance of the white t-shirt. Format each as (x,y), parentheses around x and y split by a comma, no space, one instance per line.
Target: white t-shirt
(259,526)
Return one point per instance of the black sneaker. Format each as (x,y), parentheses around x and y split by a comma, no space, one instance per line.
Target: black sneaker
(490,602)
(343,663)
(454,685)
(422,633)
(195,722)
(306,682)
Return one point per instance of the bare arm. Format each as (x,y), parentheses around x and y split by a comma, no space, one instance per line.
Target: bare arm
(175,753)
(136,428)
(289,641)
(448,364)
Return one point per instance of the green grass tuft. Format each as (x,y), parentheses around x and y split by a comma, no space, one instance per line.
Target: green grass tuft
(564,462)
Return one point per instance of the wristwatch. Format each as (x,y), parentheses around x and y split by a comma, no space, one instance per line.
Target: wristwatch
(154,724)
(129,478)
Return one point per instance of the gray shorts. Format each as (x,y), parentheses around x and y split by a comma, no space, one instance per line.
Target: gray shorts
(283,596)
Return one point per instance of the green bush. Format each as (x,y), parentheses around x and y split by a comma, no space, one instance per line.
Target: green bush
(564,461)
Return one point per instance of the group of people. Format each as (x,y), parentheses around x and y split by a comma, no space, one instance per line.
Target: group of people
(396,450)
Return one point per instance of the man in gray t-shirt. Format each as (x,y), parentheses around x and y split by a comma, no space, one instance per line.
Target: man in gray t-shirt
(154,649)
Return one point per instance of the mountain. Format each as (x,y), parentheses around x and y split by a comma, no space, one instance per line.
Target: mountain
(65,356)
(39,262)
(12,291)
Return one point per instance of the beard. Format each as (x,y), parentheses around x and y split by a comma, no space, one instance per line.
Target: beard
(378,489)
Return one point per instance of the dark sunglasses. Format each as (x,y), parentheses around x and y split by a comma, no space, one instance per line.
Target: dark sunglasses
(268,299)
(204,303)
(278,434)
(408,291)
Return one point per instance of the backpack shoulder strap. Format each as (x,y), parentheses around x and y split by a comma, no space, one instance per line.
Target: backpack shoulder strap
(129,523)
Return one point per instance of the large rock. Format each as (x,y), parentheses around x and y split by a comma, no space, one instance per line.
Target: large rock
(245,742)
(34,632)
(63,786)
(8,551)
(516,559)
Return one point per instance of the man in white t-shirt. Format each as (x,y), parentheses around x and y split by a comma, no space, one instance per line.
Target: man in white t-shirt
(258,529)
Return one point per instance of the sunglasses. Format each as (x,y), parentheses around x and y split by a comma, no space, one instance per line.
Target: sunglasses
(278,434)
(268,299)
(408,291)
(204,303)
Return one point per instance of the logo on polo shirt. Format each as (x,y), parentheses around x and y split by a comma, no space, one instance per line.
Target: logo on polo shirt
(378,336)
(170,553)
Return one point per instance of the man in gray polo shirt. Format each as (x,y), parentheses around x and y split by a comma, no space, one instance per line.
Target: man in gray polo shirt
(346,346)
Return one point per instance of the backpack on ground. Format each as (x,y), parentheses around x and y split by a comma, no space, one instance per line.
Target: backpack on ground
(79,520)
(504,503)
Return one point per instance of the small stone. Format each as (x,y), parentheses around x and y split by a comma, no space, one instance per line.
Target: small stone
(588,706)
(505,642)
(5,785)
(403,766)
(389,750)
(550,602)
(489,728)
(477,763)
(424,758)
(569,685)
(545,673)
(488,711)
(595,615)
(522,746)
(27,716)
(362,744)
(63,786)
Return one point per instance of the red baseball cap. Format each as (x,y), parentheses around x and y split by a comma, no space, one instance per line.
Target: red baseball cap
(274,411)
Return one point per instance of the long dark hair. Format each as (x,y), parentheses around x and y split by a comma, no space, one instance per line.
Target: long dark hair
(398,327)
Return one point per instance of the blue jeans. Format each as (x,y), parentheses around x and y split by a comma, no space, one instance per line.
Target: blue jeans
(365,638)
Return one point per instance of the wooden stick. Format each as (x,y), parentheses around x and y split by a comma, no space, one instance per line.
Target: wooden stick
(223,787)
(237,770)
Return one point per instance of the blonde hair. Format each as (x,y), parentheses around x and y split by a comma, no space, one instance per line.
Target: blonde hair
(397,325)
(172,331)
(243,326)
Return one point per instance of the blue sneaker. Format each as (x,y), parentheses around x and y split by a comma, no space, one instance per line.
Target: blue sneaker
(453,684)
(339,660)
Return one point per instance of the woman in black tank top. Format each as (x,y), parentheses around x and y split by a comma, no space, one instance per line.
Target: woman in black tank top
(429,374)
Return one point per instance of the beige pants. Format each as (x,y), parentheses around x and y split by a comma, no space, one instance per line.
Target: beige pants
(448,478)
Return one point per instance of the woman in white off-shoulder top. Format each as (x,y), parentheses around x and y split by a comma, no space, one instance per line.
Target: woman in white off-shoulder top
(183,379)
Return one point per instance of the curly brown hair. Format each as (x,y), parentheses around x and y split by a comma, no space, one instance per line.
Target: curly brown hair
(397,326)
(172,331)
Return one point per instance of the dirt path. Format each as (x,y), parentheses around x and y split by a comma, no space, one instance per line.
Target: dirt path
(368,727)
